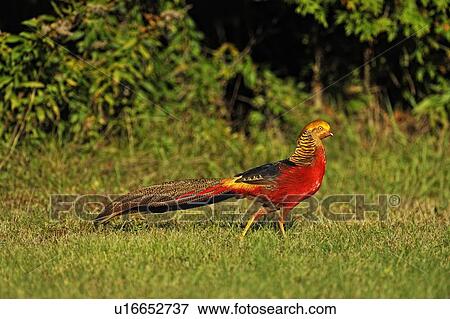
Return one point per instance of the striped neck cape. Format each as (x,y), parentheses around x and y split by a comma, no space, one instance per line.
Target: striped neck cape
(304,152)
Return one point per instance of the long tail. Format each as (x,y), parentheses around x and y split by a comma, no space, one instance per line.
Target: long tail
(166,197)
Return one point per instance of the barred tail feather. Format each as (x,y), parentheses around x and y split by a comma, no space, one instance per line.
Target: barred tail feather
(166,197)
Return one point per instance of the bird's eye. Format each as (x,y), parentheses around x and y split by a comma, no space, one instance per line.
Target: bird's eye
(320,128)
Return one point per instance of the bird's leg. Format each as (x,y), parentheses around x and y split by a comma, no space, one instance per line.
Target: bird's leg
(281,220)
(261,212)
(281,224)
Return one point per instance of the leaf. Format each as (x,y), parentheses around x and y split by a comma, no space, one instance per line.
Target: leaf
(55,108)
(249,74)
(40,114)
(4,80)
(116,77)
(130,43)
(71,82)
(144,52)
(32,84)
(13,38)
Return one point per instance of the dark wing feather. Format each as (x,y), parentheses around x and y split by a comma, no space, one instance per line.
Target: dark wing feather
(263,175)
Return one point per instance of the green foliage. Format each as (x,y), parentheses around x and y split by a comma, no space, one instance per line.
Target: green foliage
(436,107)
(95,63)
(318,9)
(98,66)
(423,29)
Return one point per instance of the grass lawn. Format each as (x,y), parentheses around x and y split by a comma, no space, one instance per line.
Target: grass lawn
(405,256)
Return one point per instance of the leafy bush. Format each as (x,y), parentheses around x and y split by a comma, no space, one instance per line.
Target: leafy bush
(417,31)
(102,66)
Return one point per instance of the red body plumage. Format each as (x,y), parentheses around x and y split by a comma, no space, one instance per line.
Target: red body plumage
(299,182)
(293,184)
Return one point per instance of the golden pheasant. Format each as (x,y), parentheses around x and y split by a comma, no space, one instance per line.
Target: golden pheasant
(280,185)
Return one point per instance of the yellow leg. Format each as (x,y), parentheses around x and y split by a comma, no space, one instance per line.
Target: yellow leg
(284,212)
(252,219)
(249,224)
(281,224)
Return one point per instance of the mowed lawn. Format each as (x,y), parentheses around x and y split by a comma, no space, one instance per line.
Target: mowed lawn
(326,260)
(405,256)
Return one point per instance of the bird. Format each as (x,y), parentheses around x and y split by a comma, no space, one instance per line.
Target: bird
(279,186)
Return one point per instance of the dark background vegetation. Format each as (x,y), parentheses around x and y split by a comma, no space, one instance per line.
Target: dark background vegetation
(369,58)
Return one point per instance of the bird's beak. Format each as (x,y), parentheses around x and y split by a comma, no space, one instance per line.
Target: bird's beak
(330,134)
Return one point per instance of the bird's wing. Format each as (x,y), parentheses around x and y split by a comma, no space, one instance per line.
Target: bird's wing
(263,175)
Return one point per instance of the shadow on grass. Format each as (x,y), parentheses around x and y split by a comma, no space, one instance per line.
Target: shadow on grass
(136,224)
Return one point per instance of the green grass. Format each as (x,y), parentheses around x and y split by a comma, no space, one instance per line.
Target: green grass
(322,260)
(404,256)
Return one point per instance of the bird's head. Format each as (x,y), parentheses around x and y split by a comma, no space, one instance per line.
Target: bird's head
(309,141)
(318,129)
